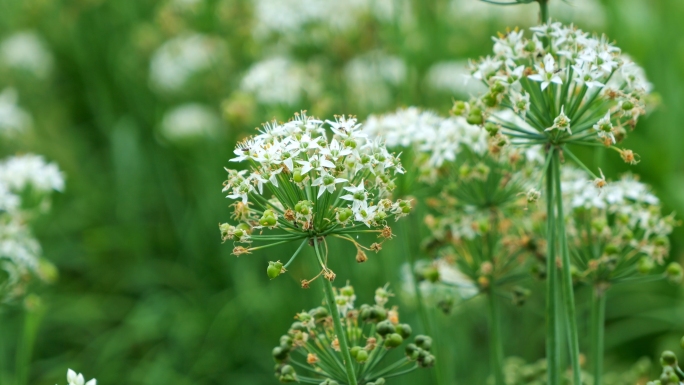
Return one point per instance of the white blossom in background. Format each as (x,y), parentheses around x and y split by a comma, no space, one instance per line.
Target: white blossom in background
(453,77)
(189,121)
(13,119)
(180,58)
(26,50)
(294,17)
(22,171)
(279,80)
(371,77)
(639,223)
(435,139)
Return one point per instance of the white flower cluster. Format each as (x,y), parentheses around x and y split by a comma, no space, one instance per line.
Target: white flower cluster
(189,121)
(26,51)
(13,119)
(279,80)
(624,213)
(371,76)
(434,140)
(20,172)
(307,172)
(344,300)
(19,250)
(74,378)
(583,80)
(292,17)
(180,58)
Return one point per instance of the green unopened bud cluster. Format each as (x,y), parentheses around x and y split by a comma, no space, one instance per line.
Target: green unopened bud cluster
(372,330)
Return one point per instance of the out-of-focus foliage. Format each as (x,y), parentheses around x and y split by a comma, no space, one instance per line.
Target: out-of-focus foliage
(141,103)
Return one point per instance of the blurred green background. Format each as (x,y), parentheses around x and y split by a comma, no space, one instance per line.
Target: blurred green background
(141,102)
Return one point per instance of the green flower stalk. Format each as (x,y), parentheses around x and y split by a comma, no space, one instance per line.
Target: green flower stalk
(564,88)
(312,353)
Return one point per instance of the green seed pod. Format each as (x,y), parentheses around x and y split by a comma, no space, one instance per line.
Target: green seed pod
(645,265)
(297,175)
(423,342)
(412,351)
(458,108)
(669,376)
(404,330)
(365,313)
(474,119)
(319,312)
(287,374)
(377,314)
(611,249)
(385,327)
(361,356)
(498,88)
(427,362)
(393,340)
(489,100)
(298,326)
(285,342)
(674,272)
(280,354)
(492,128)
(354,351)
(627,105)
(668,358)
(274,269)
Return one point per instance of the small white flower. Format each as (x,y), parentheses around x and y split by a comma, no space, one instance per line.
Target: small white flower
(547,73)
(604,128)
(561,122)
(74,378)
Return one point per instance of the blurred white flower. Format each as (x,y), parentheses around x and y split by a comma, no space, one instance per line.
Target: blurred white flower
(454,77)
(18,245)
(13,119)
(26,50)
(19,172)
(179,59)
(288,17)
(74,378)
(189,121)
(279,80)
(371,76)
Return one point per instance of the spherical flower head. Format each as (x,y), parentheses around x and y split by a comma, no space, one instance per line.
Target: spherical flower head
(312,179)
(554,75)
(637,239)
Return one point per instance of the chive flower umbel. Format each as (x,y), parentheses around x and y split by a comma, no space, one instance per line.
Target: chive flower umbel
(564,85)
(311,179)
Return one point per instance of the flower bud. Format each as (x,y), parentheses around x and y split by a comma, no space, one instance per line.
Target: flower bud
(287,374)
(423,342)
(274,269)
(412,351)
(669,376)
(385,327)
(280,354)
(458,108)
(286,342)
(674,272)
(393,340)
(361,356)
(645,265)
(427,361)
(668,358)
(492,128)
(404,330)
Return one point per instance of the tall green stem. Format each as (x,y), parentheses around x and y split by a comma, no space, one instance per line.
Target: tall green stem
(495,340)
(544,10)
(32,317)
(339,330)
(552,347)
(598,316)
(566,276)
